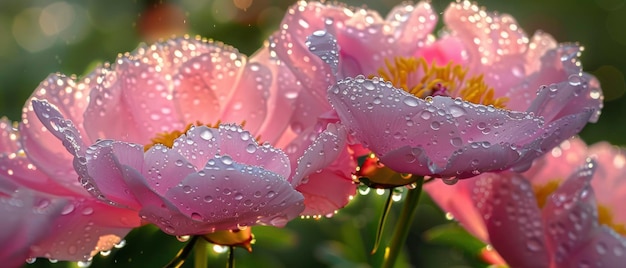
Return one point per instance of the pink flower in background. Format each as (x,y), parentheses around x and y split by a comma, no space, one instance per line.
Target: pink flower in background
(481,97)
(51,217)
(557,214)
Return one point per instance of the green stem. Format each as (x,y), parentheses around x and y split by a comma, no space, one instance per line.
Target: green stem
(183,254)
(200,254)
(381,222)
(231,257)
(401,231)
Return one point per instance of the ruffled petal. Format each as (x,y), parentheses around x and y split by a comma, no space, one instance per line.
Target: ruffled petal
(134,101)
(512,218)
(239,145)
(326,161)
(458,200)
(104,172)
(434,132)
(227,195)
(605,248)
(570,215)
(84,228)
(71,97)
(31,218)
(494,42)
(282,94)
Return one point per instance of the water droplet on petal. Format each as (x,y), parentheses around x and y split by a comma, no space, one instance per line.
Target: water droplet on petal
(410,101)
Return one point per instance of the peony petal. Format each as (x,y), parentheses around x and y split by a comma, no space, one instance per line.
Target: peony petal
(433,131)
(494,42)
(32,215)
(570,214)
(84,228)
(249,98)
(324,150)
(134,101)
(283,92)
(508,206)
(239,145)
(457,200)
(326,161)
(8,137)
(164,168)
(608,182)
(228,195)
(71,97)
(605,248)
(102,163)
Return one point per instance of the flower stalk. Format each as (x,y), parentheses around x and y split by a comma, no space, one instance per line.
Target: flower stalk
(183,254)
(200,254)
(401,231)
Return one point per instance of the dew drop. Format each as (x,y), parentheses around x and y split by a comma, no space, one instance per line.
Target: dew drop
(251,148)
(410,101)
(183,238)
(450,180)
(206,134)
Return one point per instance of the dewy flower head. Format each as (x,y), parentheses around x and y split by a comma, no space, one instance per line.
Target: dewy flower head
(210,179)
(556,213)
(482,97)
(149,96)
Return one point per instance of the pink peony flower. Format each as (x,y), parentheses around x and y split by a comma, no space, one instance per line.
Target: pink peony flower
(210,179)
(554,215)
(51,217)
(481,97)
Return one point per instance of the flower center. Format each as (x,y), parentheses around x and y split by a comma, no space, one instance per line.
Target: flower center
(543,191)
(605,216)
(167,138)
(421,79)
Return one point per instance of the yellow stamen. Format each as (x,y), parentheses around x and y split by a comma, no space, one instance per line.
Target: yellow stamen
(417,77)
(167,138)
(605,216)
(543,191)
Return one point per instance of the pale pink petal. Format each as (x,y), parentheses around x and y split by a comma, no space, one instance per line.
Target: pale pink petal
(605,248)
(325,162)
(248,101)
(134,101)
(457,200)
(324,150)
(239,145)
(434,132)
(540,44)
(163,168)
(8,137)
(208,83)
(170,54)
(84,228)
(103,167)
(608,182)
(20,169)
(444,50)
(48,154)
(570,214)
(65,131)
(494,42)
(31,218)
(558,163)
(512,218)
(228,194)
(283,92)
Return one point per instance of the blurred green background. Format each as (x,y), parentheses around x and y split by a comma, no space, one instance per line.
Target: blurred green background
(39,37)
